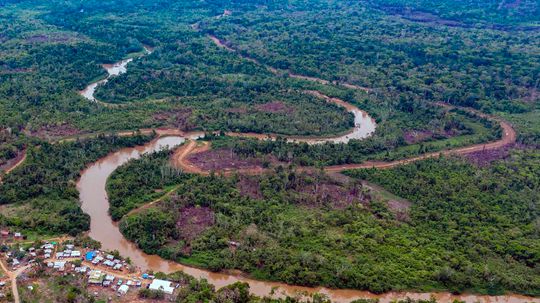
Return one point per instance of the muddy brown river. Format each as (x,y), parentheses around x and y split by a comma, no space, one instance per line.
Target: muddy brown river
(95,202)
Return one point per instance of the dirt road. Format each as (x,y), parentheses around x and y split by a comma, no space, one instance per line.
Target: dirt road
(16,163)
(13,278)
(180,157)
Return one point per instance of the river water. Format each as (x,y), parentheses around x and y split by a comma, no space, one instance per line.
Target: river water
(93,196)
(94,200)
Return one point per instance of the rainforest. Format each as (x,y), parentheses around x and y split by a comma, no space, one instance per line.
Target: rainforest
(336,150)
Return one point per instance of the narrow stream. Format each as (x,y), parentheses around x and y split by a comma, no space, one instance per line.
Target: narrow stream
(115,69)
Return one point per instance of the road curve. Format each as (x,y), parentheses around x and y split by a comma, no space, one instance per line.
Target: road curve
(508,136)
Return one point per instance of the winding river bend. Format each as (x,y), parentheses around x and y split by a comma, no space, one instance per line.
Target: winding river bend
(95,202)
(115,69)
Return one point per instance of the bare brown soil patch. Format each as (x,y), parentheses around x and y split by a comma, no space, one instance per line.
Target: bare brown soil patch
(177,118)
(325,193)
(275,107)
(193,221)
(400,208)
(55,131)
(249,187)
(485,157)
(223,159)
(417,136)
(13,163)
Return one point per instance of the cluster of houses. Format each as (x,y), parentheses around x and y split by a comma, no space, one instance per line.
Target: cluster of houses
(25,256)
(62,262)
(4,233)
(108,260)
(100,278)
(69,252)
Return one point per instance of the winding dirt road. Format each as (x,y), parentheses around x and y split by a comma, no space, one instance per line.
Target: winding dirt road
(508,136)
(222,44)
(16,163)
(94,178)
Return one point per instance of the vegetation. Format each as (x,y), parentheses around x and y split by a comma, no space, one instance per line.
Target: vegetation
(42,193)
(468,229)
(391,141)
(355,42)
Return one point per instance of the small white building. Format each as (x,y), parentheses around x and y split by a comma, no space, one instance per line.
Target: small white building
(47,246)
(162,285)
(59,265)
(123,289)
(108,263)
(75,254)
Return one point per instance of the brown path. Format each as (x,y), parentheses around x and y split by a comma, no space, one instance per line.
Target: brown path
(13,278)
(223,44)
(16,163)
(180,157)
(508,137)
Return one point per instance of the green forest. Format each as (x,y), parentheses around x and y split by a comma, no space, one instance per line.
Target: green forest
(434,76)
(468,229)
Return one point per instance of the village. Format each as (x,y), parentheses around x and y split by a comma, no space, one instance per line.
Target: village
(105,275)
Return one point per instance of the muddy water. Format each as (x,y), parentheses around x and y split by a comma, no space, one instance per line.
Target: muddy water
(94,200)
(115,69)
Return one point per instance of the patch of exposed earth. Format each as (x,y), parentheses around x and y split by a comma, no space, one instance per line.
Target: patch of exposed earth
(275,107)
(176,118)
(417,136)
(192,222)
(55,131)
(249,187)
(484,158)
(325,193)
(223,159)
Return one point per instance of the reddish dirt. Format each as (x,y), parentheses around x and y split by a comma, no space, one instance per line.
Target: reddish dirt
(249,187)
(486,157)
(417,136)
(275,107)
(329,194)
(177,118)
(193,221)
(13,163)
(222,159)
(55,131)
(400,209)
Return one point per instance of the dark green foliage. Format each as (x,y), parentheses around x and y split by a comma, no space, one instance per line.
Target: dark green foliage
(151,173)
(470,228)
(43,189)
